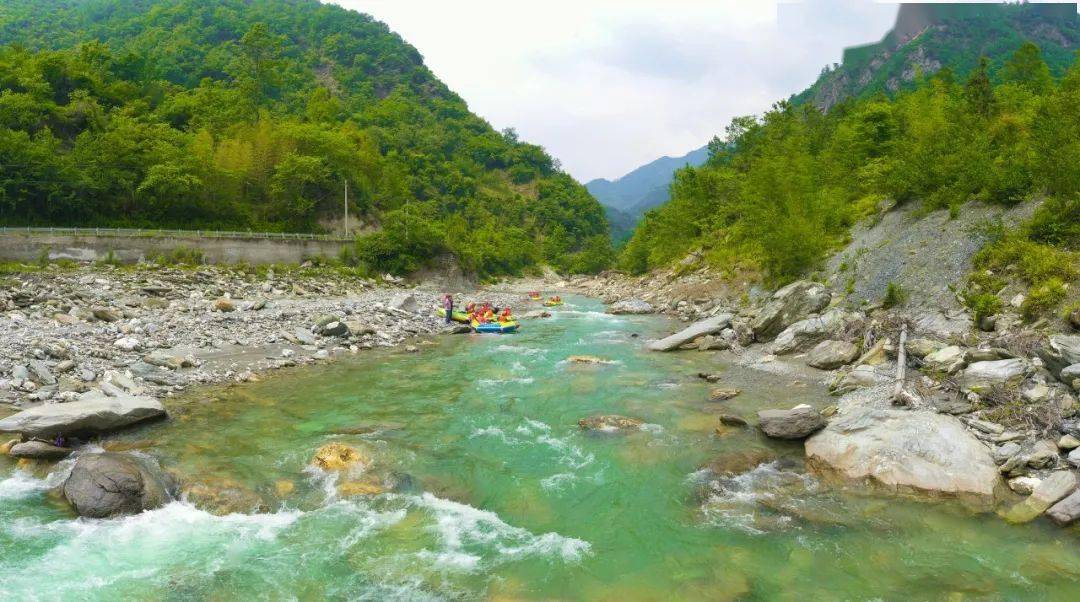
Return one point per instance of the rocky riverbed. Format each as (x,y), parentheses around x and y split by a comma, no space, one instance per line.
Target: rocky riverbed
(102,332)
(928,402)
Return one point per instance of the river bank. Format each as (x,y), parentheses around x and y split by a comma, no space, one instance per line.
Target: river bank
(159,330)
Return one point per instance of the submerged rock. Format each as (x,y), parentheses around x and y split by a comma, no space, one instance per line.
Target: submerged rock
(799,422)
(1066,511)
(903,449)
(588,359)
(723,393)
(113,484)
(610,423)
(93,414)
(221,496)
(338,456)
(1047,493)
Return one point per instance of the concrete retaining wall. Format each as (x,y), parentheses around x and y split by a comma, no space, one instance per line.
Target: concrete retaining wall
(27,247)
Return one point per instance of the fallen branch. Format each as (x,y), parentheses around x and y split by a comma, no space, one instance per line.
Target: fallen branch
(899,396)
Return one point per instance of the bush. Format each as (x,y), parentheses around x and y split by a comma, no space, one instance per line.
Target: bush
(982,305)
(894,296)
(1043,299)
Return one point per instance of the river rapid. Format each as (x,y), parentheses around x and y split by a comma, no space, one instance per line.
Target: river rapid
(497,493)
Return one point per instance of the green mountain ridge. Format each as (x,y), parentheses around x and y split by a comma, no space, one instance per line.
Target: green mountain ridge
(253,114)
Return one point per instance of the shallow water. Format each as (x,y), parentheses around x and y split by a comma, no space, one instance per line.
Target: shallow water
(498,494)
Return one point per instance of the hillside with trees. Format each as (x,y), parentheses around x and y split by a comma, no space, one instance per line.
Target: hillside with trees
(254,114)
(784,189)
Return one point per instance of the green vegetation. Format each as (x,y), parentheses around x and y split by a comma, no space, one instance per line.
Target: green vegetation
(254,114)
(783,190)
(894,296)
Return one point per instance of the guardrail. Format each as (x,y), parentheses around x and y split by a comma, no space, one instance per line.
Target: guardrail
(159,233)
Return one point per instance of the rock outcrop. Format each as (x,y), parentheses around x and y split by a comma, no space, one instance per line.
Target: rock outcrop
(906,450)
(802,335)
(787,306)
(114,484)
(797,423)
(982,376)
(94,414)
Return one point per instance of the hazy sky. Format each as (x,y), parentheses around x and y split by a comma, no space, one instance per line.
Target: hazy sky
(607,85)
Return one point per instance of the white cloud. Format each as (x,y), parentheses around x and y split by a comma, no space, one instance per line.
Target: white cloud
(607,85)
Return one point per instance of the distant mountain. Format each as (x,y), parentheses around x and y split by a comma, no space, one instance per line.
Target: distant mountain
(645,187)
(927,37)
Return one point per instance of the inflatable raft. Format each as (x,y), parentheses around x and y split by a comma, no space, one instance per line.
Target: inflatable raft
(552,303)
(495,327)
(457,316)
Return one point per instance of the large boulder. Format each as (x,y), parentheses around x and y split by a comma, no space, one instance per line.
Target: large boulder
(982,376)
(799,422)
(114,484)
(1067,511)
(632,306)
(829,355)
(406,302)
(1047,493)
(707,326)
(787,306)
(38,450)
(93,414)
(908,450)
(1060,352)
(802,335)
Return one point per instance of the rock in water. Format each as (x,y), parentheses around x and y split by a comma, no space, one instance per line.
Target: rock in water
(588,359)
(610,423)
(338,456)
(39,450)
(631,306)
(1047,493)
(711,325)
(829,355)
(1067,511)
(723,393)
(900,449)
(113,484)
(93,414)
(799,422)
(982,376)
(789,305)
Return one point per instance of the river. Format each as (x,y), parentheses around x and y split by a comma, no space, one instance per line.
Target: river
(499,494)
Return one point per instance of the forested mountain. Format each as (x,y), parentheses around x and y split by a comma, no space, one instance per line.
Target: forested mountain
(927,37)
(786,187)
(254,114)
(645,187)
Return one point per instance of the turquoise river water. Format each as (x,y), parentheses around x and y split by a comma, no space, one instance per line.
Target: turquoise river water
(493,492)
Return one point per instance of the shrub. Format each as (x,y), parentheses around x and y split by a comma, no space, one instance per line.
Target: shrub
(1043,299)
(982,304)
(894,295)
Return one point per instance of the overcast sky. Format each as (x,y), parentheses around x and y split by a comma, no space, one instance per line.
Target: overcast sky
(608,85)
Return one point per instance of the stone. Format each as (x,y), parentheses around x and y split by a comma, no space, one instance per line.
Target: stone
(798,422)
(1068,442)
(113,484)
(1044,454)
(588,359)
(105,314)
(707,326)
(738,462)
(830,354)
(947,359)
(787,306)
(937,325)
(732,420)
(1074,458)
(127,344)
(921,347)
(1024,485)
(802,335)
(224,305)
(905,450)
(1003,452)
(990,428)
(1060,352)
(1069,375)
(1047,493)
(93,414)
(338,456)
(876,355)
(304,336)
(334,329)
(982,376)
(1036,393)
(166,360)
(714,343)
(860,377)
(632,307)
(39,450)
(723,393)
(1066,511)
(40,373)
(610,423)
(223,496)
(405,302)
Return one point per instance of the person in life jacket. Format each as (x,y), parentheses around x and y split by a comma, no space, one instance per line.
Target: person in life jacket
(505,316)
(448,305)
